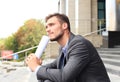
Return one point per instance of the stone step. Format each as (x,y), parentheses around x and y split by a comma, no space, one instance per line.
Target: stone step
(110,52)
(113,69)
(114,78)
(111,61)
(111,56)
(108,49)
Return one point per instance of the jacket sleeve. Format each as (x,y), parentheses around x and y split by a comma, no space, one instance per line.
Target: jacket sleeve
(51,65)
(78,57)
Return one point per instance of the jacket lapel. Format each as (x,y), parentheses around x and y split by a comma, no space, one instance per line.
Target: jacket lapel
(59,59)
(60,51)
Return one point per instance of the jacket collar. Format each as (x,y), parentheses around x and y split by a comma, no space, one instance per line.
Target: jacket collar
(71,37)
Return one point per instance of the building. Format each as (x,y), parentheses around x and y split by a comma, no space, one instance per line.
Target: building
(92,18)
(96,20)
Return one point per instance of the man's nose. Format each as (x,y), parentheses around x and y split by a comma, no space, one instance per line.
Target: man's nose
(47,29)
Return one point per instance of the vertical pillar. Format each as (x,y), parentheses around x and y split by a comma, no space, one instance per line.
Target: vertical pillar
(84,20)
(111,23)
(70,11)
(118,14)
(76,15)
(63,6)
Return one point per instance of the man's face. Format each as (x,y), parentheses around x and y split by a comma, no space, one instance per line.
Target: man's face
(54,29)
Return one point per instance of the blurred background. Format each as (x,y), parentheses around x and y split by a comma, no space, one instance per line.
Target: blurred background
(22,27)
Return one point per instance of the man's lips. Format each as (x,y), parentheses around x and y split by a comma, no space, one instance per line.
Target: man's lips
(50,34)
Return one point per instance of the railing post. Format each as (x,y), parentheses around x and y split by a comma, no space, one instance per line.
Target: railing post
(25,58)
(100,22)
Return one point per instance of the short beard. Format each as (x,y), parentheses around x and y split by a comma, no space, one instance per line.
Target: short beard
(57,37)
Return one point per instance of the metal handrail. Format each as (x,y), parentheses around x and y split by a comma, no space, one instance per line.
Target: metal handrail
(94,32)
(37,46)
(19,52)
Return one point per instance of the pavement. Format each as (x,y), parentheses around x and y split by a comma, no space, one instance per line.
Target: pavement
(21,73)
(24,75)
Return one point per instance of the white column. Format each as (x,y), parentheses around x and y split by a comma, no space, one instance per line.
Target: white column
(67,6)
(111,23)
(63,6)
(76,15)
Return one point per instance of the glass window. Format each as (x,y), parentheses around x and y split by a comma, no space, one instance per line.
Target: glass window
(101,5)
(101,15)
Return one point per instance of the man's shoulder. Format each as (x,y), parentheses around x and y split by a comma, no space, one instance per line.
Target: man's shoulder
(79,38)
(74,36)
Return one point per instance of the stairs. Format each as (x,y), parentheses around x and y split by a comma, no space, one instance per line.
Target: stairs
(111,59)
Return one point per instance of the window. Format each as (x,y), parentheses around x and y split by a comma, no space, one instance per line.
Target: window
(101,15)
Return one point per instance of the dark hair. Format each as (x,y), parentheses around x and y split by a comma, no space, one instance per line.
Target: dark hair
(61,17)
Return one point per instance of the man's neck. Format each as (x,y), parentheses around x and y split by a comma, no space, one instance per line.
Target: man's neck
(64,39)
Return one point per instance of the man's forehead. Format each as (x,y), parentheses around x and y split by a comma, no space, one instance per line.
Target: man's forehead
(52,20)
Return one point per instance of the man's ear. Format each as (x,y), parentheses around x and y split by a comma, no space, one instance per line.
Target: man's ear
(65,26)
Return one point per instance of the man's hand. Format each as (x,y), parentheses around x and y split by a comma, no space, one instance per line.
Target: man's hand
(32,61)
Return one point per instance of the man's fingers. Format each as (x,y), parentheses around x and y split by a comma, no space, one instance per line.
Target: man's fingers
(32,58)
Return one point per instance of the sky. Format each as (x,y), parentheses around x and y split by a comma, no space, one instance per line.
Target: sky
(13,13)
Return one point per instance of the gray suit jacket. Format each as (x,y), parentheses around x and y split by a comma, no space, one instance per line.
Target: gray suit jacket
(83,64)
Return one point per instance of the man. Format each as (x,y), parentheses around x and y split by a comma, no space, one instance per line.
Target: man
(81,62)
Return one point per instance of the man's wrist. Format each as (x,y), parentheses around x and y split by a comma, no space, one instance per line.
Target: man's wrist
(37,68)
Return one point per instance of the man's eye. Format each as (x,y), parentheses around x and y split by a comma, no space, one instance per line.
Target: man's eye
(51,24)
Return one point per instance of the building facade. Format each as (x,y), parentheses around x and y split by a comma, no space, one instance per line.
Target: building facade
(113,22)
(96,20)
(85,18)
(90,17)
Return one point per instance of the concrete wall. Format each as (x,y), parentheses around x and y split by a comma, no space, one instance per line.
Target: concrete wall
(52,50)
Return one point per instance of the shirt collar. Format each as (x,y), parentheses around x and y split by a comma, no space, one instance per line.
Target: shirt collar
(64,49)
